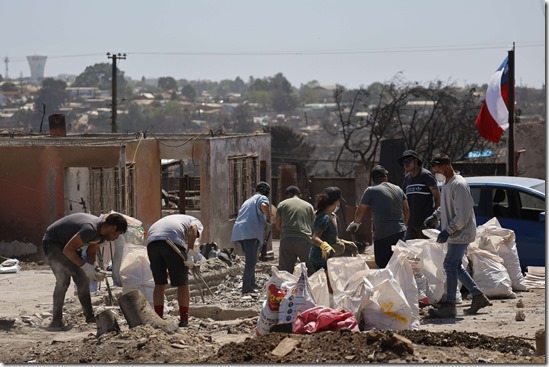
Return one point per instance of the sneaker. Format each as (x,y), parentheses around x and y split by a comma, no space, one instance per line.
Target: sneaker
(183,323)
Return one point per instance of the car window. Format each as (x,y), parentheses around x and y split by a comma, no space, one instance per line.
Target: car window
(500,204)
(475,193)
(531,206)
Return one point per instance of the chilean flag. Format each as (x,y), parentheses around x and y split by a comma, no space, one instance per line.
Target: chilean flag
(493,118)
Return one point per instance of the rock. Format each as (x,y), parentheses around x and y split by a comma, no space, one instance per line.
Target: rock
(285,346)
(520,316)
(520,304)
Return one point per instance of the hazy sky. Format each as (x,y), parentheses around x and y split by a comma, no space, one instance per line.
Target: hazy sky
(349,42)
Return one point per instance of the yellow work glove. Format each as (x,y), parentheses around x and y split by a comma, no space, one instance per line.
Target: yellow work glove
(350,247)
(326,249)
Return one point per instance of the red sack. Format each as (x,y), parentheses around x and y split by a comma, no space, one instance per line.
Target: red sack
(322,318)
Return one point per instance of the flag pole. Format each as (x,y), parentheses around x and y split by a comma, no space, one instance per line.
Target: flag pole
(511,109)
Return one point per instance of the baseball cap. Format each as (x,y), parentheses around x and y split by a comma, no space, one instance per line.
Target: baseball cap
(378,171)
(440,158)
(407,154)
(334,193)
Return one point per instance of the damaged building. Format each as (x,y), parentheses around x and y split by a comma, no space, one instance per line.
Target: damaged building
(45,177)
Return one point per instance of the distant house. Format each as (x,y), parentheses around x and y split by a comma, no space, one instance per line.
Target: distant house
(43,178)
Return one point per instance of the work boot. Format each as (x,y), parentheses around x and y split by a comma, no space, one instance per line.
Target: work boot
(445,311)
(479,302)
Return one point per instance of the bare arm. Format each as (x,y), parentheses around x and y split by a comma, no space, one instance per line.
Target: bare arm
(316,241)
(359,213)
(278,222)
(406,210)
(265,208)
(436,195)
(70,250)
(192,235)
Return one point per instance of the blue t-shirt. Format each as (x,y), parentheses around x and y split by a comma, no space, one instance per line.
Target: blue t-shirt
(250,222)
(327,223)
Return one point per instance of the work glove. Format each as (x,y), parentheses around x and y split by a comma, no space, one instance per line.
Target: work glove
(353,226)
(431,221)
(443,237)
(350,246)
(327,250)
(91,273)
(192,257)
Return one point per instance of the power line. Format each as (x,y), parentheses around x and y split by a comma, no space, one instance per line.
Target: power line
(315,52)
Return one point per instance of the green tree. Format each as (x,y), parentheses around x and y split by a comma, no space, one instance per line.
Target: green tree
(243,120)
(53,94)
(287,146)
(8,87)
(188,92)
(279,91)
(100,76)
(167,83)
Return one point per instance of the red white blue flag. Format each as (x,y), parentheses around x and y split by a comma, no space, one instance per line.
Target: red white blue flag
(493,118)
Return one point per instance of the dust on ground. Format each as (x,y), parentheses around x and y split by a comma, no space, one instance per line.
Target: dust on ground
(222,330)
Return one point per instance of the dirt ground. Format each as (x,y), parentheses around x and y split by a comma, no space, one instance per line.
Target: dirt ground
(222,330)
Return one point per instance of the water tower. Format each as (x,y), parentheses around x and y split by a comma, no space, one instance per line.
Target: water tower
(37,64)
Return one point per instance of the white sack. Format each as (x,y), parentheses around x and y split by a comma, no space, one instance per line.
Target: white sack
(277,286)
(387,308)
(400,265)
(135,271)
(502,242)
(319,287)
(490,274)
(298,298)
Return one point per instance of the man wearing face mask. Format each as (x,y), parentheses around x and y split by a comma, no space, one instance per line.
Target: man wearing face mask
(458,225)
(390,213)
(420,187)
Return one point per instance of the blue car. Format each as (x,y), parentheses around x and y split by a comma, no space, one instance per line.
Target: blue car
(519,204)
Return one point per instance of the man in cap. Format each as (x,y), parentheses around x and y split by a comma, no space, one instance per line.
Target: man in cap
(294,218)
(420,187)
(390,213)
(249,229)
(458,230)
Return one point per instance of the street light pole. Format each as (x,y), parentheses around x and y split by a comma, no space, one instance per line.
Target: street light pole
(114,57)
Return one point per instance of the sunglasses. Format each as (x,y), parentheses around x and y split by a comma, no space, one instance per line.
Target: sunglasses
(407,161)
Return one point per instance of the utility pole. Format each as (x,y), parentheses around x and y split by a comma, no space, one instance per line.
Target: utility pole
(6,61)
(114,57)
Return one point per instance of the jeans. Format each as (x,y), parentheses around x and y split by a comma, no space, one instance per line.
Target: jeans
(64,270)
(250,248)
(455,270)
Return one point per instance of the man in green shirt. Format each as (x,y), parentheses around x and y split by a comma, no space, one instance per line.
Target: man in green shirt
(294,218)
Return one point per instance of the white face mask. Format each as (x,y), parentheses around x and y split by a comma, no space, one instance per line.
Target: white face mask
(440,177)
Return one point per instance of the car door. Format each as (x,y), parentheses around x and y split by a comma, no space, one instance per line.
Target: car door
(520,212)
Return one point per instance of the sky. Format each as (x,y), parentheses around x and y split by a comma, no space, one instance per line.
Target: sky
(348,42)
